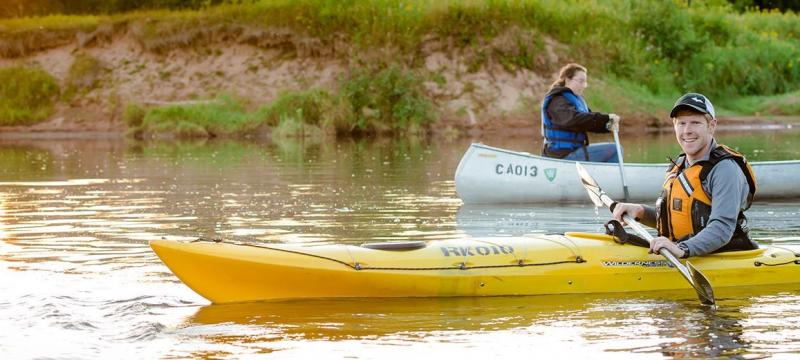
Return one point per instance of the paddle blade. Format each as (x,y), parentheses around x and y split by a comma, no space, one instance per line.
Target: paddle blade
(704,290)
(590,185)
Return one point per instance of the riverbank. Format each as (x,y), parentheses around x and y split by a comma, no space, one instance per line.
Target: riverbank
(489,98)
(358,72)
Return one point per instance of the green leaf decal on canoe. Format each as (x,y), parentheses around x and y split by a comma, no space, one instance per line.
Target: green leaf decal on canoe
(550,173)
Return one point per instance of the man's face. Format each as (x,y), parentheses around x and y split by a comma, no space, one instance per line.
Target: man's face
(694,133)
(577,83)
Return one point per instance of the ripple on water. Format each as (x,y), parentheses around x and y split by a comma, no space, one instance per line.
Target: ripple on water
(141,331)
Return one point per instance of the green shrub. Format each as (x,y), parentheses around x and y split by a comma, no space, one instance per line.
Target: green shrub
(668,30)
(295,127)
(189,130)
(390,99)
(314,107)
(26,95)
(463,23)
(133,115)
(771,68)
(84,74)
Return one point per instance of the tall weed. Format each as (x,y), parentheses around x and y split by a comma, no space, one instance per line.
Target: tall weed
(224,116)
(306,112)
(85,73)
(389,99)
(26,95)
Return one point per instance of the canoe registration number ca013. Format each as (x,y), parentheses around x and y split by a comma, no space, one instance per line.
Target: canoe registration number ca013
(516,169)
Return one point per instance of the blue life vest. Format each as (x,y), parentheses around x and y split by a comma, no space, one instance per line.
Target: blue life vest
(560,139)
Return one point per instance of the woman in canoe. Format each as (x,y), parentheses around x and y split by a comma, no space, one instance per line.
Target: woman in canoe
(566,119)
(706,191)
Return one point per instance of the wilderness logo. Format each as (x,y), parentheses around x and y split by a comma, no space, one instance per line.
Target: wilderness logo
(639,263)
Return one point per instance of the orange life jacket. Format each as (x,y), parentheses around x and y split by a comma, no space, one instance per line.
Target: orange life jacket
(684,207)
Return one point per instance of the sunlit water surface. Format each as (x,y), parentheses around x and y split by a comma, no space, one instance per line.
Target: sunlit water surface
(77,279)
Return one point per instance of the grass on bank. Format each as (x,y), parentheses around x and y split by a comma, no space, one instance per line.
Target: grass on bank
(371,100)
(614,95)
(224,116)
(27,95)
(291,115)
(784,104)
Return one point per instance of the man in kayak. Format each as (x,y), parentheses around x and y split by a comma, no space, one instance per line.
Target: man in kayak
(566,119)
(706,191)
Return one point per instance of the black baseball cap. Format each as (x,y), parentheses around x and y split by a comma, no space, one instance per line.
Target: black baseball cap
(694,101)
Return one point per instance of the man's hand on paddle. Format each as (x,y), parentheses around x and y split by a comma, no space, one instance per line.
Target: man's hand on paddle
(636,211)
(662,242)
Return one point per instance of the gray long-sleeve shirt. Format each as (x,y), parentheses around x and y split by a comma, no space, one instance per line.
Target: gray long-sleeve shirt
(727,186)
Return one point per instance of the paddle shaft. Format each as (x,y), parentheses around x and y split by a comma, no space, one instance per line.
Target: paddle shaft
(639,229)
(621,165)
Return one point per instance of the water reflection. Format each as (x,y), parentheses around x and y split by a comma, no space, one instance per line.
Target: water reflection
(770,222)
(670,325)
(503,220)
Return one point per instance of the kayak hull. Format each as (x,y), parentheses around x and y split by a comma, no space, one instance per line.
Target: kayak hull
(490,175)
(573,263)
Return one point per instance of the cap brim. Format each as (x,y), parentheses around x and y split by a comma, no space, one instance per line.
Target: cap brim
(676,108)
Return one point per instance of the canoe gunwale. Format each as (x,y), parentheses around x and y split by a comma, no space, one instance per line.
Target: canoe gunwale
(567,162)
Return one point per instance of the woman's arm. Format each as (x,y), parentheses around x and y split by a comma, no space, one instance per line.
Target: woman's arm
(564,115)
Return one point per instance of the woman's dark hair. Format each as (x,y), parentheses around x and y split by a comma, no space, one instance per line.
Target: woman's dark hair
(567,72)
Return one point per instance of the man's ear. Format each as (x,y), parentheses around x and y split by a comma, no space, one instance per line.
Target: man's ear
(712,125)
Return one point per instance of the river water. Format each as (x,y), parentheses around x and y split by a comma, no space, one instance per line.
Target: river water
(77,279)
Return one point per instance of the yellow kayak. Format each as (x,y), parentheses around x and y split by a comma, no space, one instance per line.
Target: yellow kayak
(573,263)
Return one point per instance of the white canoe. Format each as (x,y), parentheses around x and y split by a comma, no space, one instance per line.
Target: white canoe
(490,175)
